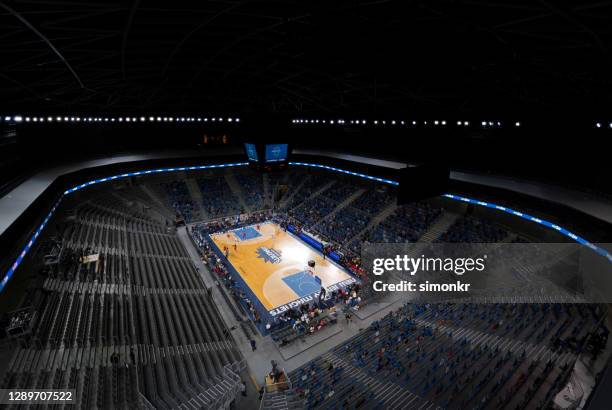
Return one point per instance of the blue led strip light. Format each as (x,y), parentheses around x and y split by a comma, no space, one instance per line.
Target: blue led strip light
(151,171)
(344,171)
(36,234)
(523,215)
(29,245)
(540,221)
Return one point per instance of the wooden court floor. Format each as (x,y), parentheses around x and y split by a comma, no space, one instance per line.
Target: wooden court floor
(273,263)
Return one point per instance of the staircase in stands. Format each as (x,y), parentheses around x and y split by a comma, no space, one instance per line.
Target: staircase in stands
(237,191)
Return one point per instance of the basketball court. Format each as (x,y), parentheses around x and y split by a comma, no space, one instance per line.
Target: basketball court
(274,265)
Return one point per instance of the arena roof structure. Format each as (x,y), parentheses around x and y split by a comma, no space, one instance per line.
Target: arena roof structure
(300,57)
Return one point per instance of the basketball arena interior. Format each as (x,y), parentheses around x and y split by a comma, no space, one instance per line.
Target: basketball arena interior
(305,205)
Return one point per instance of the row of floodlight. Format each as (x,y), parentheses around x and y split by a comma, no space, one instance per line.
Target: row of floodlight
(79,119)
(602,125)
(484,124)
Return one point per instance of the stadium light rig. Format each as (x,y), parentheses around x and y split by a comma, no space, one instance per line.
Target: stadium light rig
(603,125)
(18,119)
(402,123)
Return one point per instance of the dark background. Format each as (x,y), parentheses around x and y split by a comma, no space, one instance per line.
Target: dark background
(547,64)
(571,153)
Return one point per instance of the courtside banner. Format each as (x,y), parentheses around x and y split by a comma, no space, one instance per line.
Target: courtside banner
(492,273)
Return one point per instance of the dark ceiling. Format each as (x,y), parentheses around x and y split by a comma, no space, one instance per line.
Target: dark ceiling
(326,57)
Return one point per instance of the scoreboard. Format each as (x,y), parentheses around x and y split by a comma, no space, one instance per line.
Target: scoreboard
(267,154)
(251,152)
(276,152)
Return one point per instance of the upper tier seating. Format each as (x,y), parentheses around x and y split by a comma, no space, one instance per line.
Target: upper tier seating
(179,199)
(453,356)
(252,190)
(312,210)
(310,184)
(351,220)
(406,224)
(218,199)
(139,319)
(471,230)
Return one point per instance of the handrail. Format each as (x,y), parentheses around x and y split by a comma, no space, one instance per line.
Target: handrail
(145,401)
(231,376)
(287,386)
